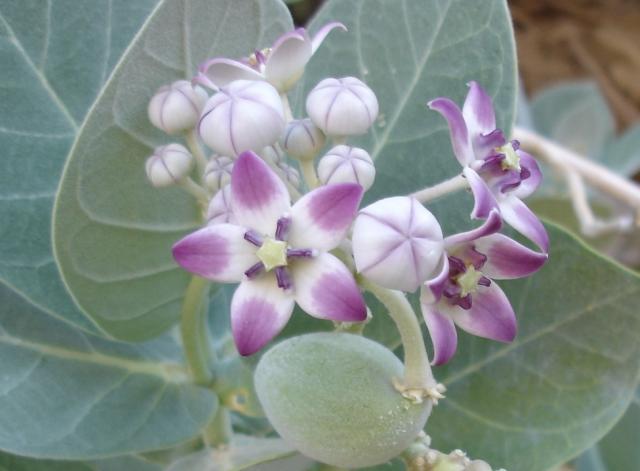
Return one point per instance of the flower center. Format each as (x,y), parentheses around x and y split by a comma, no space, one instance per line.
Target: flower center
(468,281)
(511,160)
(272,253)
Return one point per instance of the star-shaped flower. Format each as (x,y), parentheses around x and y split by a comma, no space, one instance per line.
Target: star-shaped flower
(464,293)
(278,253)
(499,173)
(281,65)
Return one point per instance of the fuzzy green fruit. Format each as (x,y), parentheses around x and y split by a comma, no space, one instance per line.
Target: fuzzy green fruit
(330,395)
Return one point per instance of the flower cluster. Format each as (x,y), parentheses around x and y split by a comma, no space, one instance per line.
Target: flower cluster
(290,242)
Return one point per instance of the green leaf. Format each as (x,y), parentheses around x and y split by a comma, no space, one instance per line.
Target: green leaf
(619,448)
(55,57)
(576,115)
(122,463)
(410,52)
(566,379)
(113,232)
(70,395)
(245,452)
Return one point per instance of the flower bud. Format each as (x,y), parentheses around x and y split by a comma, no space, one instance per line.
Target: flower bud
(219,210)
(176,107)
(217,173)
(397,243)
(290,174)
(346,164)
(169,165)
(478,465)
(302,139)
(270,154)
(244,115)
(342,107)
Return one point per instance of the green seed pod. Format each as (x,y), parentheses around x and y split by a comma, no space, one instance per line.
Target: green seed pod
(330,395)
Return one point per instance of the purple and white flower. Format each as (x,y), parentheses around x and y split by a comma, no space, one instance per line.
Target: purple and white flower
(281,65)
(464,293)
(278,253)
(397,243)
(499,173)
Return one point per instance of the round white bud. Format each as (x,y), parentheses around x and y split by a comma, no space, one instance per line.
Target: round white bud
(397,243)
(219,210)
(169,165)
(244,115)
(346,164)
(478,465)
(342,107)
(302,139)
(217,173)
(176,107)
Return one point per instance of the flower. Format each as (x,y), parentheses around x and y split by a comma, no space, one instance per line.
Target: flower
(397,243)
(344,164)
(244,115)
(176,107)
(281,65)
(169,165)
(278,253)
(463,292)
(498,172)
(342,107)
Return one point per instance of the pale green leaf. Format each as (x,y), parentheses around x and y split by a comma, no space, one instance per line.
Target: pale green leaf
(113,232)
(566,379)
(55,57)
(243,453)
(67,394)
(619,449)
(623,154)
(576,115)
(123,463)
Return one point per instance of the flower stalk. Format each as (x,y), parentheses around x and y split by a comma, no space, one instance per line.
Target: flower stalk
(418,381)
(446,187)
(194,146)
(193,330)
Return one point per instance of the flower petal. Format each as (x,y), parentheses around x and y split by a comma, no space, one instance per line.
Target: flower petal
(522,219)
(326,289)
(259,311)
(258,197)
(478,111)
(530,184)
(289,55)
(321,218)
(221,71)
(484,201)
(432,289)
(491,315)
(442,332)
(492,225)
(507,259)
(460,139)
(217,252)
(322,33)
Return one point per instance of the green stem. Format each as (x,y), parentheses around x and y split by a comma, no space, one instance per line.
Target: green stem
(219,431)
(309,174)
(417,371)
(193,329)
(194,146)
